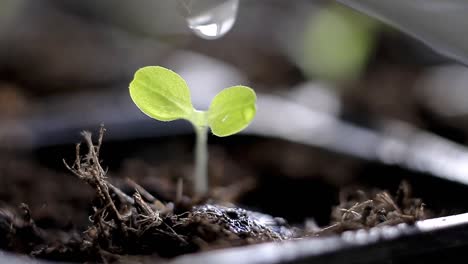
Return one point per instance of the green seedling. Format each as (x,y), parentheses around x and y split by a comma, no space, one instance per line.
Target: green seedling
(163,95)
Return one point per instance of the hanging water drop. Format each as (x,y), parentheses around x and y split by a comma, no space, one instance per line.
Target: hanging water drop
(209,19)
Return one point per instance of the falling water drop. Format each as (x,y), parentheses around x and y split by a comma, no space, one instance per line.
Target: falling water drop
(209,19)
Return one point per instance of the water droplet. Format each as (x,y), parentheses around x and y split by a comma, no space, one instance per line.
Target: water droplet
(248,114)
(209,19)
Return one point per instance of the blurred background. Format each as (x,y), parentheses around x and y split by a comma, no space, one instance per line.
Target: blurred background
(326,77)
(318,53)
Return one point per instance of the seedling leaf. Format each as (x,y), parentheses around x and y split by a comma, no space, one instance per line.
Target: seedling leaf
(231,110)
(161,94)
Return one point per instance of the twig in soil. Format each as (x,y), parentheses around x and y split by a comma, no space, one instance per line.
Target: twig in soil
(89,169)
(144,193)
(366,209)
(385,198)
(123,196)
(148,218)
(179,237)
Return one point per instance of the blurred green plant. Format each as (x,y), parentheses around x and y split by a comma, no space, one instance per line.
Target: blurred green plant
(164,95)
(337,43)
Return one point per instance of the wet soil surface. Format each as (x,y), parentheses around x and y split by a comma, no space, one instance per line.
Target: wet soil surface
(88,214)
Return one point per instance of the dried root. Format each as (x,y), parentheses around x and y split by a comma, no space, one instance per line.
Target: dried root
(119,220)
(141,224)
(362,210)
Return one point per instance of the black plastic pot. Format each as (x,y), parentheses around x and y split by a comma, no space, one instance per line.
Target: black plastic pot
(440,239)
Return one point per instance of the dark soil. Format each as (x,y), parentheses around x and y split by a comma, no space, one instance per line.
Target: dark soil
(116,218)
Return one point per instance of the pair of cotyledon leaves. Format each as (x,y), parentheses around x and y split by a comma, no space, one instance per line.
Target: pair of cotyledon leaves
(163,95)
